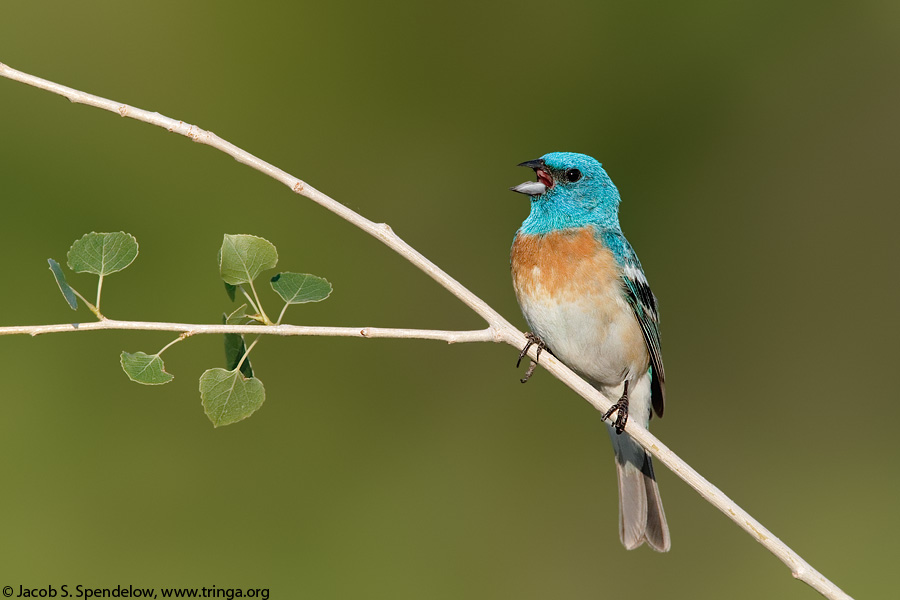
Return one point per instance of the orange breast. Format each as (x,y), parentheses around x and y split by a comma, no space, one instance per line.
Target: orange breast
(563,265)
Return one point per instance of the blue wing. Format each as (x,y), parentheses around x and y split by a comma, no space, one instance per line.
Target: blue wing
(643,303)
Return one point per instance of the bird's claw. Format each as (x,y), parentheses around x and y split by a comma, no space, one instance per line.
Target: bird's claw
(621,410)
(533,340)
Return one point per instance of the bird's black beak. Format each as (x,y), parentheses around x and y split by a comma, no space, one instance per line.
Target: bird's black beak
(535,164)
(539,187)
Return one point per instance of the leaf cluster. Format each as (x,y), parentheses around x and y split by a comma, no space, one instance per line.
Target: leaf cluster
(228,395)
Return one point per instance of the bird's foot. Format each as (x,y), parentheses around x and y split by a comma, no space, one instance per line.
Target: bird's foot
(533,340)
(621,410)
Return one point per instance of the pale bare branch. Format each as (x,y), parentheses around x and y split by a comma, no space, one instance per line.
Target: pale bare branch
(451,337)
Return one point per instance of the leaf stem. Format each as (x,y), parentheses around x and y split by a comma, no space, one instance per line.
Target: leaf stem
(246,353)
(262,312)
(90,306)
(250,300)
(283,310)
(99,289)
(180,338)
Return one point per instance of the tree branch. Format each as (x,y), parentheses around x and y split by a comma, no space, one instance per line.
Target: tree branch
(499,329)
(451,337)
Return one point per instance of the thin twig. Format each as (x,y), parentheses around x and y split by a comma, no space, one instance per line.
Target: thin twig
(451,337)
(499,330)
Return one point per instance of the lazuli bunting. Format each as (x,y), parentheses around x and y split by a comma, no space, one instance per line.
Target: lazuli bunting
(585,296)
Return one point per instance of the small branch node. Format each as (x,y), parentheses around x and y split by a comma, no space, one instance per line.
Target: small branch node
(194,135)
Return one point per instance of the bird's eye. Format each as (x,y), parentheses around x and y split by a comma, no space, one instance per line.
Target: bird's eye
(573,175)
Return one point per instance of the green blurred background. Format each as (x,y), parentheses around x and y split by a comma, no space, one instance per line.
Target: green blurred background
(755,146)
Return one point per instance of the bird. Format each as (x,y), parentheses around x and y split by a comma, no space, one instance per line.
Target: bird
(584,295)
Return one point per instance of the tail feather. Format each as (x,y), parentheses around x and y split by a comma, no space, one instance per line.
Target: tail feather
(641,515)
(657,534)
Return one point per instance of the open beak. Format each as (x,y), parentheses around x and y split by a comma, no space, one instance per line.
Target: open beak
(535,188)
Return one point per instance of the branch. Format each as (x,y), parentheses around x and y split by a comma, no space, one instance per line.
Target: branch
(499,328)
(451,337)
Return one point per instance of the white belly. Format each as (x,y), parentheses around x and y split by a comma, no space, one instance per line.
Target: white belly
(599,336)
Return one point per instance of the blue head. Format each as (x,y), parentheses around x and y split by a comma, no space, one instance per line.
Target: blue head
(572,190)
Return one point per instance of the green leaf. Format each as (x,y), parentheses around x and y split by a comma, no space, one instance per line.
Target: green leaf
(63,286)
(297,288)
(147,369)
(228,396)
(102,253)
(230,290)
(234,342)
(243,257)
